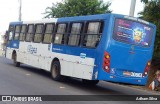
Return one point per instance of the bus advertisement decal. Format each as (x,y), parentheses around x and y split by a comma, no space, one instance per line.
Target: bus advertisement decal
(133,32)
(126,73)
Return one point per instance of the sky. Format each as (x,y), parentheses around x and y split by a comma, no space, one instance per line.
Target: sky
(33,9)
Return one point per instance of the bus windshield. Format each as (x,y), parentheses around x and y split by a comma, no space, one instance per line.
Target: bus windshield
(132,32)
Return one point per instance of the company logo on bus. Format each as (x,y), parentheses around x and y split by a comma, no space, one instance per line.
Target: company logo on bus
(31,49)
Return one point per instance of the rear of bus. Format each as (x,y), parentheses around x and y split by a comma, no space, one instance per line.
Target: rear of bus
(128,50)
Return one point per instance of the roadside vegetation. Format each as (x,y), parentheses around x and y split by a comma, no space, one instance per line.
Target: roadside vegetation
(151,13)
(68,8)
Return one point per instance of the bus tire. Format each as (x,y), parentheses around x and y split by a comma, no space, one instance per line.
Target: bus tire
(55,71)
(90,82)
(17,64)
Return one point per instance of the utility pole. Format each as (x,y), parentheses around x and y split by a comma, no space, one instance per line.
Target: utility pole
(132,7)
(20,8)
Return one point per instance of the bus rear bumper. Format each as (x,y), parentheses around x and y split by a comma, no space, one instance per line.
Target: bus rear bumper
(128,80)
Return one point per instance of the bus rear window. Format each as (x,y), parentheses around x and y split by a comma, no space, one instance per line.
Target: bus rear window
(132,32)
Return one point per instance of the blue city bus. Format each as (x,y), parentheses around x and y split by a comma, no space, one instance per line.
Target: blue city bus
(109,47)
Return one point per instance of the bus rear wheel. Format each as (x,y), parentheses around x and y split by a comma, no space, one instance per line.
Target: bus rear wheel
(17,64)
(55,71)
(90,82)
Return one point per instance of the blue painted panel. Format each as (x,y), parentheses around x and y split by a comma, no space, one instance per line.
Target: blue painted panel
(70,50)
(124,58)
(13,44)
(84,18)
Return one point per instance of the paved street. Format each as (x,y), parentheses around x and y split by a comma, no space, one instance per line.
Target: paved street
(26,80)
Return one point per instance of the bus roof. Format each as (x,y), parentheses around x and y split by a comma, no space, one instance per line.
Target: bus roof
(63,19)
(77,18)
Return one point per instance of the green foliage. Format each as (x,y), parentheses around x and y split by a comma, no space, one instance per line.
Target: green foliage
(144,1)
(69,8)
(151,13)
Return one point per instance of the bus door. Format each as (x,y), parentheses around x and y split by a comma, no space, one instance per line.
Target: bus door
(10,34)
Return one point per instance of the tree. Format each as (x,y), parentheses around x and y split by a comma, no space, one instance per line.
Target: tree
(144,1)
(69,8)
(151,13)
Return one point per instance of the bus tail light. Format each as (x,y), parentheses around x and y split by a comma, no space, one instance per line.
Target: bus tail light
(106,62)
(147,69)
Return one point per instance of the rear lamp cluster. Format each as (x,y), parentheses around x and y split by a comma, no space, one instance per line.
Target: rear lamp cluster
(147,69)
(106,62)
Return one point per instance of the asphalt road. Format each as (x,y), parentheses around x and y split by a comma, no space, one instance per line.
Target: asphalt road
(26,80)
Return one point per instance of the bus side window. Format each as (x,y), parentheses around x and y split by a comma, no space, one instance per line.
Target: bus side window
(48,33)
(38,33)
(30,33)
(93,34)
(22,33)
(11,32)
(17,32)
(59,36)
(74,36)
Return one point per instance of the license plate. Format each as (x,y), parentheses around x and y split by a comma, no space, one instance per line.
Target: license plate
(133,74)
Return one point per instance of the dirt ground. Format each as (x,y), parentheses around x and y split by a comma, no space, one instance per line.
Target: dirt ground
(152,74)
